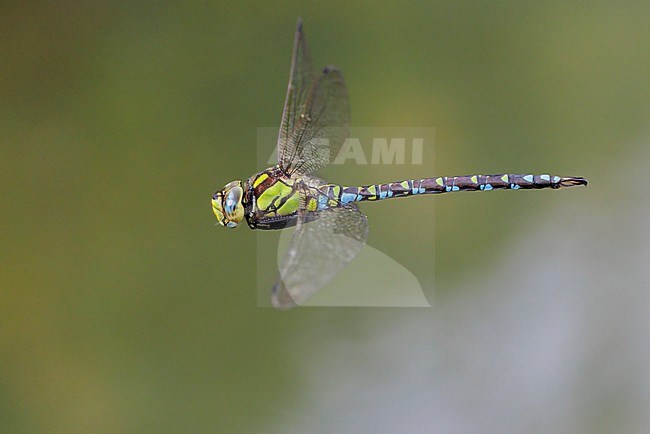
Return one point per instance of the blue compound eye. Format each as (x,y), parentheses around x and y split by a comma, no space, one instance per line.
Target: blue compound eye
(227,204)
(233,199)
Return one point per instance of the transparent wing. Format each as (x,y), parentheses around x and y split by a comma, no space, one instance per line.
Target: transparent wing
(323,243)
(301,76)
(321,127)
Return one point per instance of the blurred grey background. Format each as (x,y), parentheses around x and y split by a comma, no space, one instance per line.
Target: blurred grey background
(124,309)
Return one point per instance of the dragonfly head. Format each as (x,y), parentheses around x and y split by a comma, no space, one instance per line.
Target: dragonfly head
(227,206)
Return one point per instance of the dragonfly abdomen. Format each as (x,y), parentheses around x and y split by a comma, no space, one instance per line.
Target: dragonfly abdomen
(444,184)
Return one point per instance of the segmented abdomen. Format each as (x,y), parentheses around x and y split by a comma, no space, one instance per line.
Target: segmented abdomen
(448,184)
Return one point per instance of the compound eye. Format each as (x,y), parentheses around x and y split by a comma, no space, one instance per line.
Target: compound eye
(233,200)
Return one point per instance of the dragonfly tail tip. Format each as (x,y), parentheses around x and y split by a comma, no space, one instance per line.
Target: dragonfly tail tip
(570,182)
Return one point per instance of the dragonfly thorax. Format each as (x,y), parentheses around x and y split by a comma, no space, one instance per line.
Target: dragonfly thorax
(227,204)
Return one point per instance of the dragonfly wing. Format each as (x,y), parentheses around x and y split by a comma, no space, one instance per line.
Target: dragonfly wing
(323,243)
(322,126)
(301,76)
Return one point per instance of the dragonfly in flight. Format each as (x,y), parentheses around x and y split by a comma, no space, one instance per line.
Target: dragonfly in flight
(329,228)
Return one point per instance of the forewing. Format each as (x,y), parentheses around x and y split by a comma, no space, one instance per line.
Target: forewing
(301,76)
(322,126)
(320,248)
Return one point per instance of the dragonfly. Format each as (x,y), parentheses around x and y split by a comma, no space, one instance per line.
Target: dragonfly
(330,230)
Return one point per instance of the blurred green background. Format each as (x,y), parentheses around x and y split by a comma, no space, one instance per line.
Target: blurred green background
(124,309)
